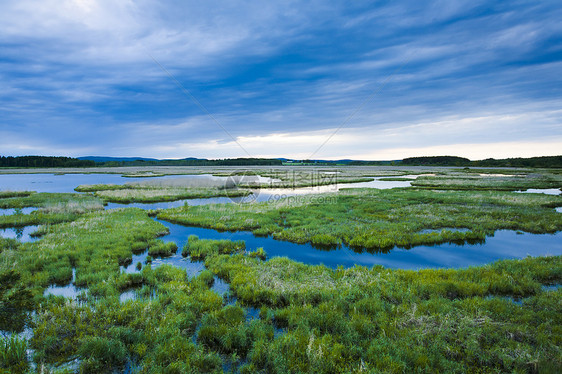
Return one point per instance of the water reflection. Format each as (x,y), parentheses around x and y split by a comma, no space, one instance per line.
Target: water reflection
(23,234)
(11,211)
(547,191)
(70,290)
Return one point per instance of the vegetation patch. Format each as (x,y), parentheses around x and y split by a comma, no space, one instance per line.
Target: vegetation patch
(125,194)
(383,320)
(487,180)
(13,354)
(200,249)
(8,194)
(53,208)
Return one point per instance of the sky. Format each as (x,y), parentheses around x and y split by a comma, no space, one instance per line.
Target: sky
(370,80)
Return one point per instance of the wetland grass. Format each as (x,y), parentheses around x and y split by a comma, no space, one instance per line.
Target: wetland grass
(13,354)
(103,333)
(53,208)
(334,320)
(491,180)
(200,249)
(125,194)
(392,321)
(9,194)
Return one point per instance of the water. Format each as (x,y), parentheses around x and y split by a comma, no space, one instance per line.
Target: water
(10,211)
(70,290)
(220,286)
(547,191)
(128,295)
(67,182)
(23,234)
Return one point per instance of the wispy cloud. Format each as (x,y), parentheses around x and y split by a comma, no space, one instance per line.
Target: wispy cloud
(77,77)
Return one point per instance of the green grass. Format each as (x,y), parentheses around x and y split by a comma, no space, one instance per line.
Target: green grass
(13,354)
(95,244)
(491,180)
(153,333)
(53,208)
(105,334)
(125,194)
(380,219)
(200,249)
(392,321)
(395,179)
(8,194)
(161,249)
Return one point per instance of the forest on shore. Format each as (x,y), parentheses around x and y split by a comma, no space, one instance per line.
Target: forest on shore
(60,162)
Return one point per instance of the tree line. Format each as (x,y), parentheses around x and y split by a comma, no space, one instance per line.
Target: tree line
(60,162)
(43,162)
(531,162)
(196,162)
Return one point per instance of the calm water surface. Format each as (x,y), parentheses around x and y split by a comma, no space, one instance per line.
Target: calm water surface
(9,212)
(67,182)
(23,234)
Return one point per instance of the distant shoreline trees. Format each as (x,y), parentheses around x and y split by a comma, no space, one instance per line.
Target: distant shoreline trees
(61,162)
(43,162)
(533,162)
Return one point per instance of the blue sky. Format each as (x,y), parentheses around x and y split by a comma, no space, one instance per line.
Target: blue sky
(317,79)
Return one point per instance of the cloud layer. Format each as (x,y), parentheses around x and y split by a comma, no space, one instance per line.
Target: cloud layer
(226,79)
